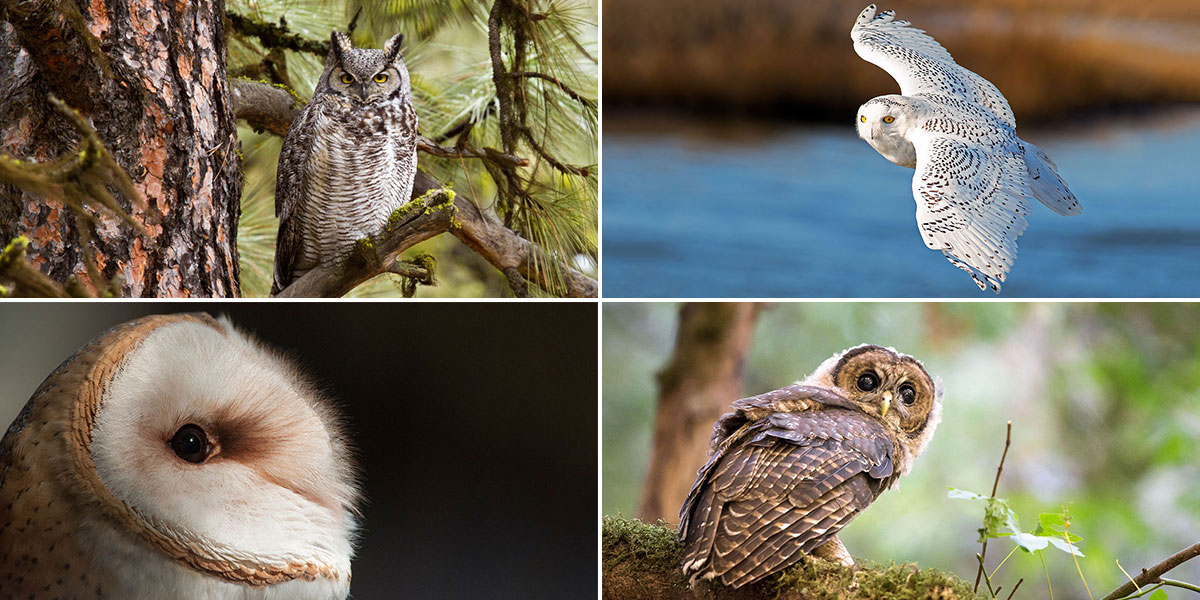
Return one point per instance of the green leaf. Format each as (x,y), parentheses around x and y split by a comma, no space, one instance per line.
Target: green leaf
(964,495)
(1159,594)
(1029,542)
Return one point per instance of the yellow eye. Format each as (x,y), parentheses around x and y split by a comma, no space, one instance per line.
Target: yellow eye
(380,77)
(863,118)
(889,119)
(347,79)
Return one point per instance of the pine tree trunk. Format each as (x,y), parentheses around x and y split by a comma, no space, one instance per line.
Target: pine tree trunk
(695,388)
(150,76)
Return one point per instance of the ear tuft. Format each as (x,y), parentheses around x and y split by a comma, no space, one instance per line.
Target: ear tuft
(391,49)
(340,43)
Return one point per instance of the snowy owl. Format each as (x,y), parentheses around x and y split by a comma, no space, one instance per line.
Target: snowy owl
(956,129)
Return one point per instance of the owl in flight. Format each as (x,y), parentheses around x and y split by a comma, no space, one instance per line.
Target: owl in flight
(788,469)
(974,174)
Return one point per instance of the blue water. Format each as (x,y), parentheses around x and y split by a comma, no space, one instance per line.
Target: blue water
(815,212)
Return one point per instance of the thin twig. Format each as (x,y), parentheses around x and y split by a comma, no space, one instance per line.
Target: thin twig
(276,36)
(1014,590)
(995,486)
(1152,574)
(576,96)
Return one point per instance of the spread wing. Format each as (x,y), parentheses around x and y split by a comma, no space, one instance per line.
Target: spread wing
(970,197)
(921,65)
(290,191)
(785,486)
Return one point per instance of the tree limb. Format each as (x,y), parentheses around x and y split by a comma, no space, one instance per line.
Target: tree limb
(1151,575)
(273,109)
(276,36)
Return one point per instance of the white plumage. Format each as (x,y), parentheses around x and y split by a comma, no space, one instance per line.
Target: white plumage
(117,507)
(973,174)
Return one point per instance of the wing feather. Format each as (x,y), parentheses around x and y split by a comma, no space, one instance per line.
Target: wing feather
(920,64)
(971,202)
(785,485)
(291,188)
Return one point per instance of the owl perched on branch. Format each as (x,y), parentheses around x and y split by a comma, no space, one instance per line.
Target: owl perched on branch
(788,469)
(348,161)
(173,457)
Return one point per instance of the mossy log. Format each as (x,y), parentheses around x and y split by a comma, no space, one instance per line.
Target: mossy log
(643,561)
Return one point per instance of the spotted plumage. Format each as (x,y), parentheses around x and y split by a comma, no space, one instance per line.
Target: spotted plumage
(974,175)
(348,161)
(790,468)
(172,457)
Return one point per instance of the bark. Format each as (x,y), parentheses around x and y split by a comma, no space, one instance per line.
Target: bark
(696,387)
(150,76)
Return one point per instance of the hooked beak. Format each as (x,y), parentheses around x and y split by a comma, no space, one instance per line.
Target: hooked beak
(362,92)
(885,405)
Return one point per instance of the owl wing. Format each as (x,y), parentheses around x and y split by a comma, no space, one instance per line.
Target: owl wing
(291,188)
(920,64)
(789,483)
(970,196)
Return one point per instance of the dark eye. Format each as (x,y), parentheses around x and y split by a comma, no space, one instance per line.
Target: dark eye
(380,77)
(907,394)
(347,79)
(190,444)
(868,381)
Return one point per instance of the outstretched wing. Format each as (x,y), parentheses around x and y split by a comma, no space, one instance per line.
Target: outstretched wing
(970,197)
(921,65)
(788,484)
(290,191)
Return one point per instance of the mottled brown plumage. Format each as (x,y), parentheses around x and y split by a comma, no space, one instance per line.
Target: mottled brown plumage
(788,469)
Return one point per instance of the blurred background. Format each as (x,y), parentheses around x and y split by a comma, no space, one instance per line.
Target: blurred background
(475,426)
(446,51)
(734,169)
(1104,401)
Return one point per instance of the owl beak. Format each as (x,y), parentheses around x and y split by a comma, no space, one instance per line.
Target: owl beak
(885,405)
(362,92)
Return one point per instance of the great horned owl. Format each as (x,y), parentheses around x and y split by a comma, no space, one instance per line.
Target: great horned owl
(348,160)
(788,469)
(173,457)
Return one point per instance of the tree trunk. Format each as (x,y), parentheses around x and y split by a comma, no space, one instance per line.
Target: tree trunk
(150,76)
(695,388)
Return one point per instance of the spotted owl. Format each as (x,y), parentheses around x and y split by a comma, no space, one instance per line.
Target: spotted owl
(348,161)
(174,457)
(788,469)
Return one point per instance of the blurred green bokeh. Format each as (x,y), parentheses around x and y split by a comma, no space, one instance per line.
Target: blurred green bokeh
(1104,400)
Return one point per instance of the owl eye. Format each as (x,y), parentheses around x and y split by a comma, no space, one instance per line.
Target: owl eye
(863,118)
(868,381)
(347,79)
(907,394)
(380,77)
(190,444)
(889,119)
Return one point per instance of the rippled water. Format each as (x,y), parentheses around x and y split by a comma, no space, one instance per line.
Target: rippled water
(815,212)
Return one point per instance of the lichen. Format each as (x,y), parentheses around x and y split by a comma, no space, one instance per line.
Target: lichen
(640,558)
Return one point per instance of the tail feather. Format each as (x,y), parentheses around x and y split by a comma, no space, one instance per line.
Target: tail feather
(1046,184)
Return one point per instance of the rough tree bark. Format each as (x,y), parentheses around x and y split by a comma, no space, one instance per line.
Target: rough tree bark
(696,387)
(150,76)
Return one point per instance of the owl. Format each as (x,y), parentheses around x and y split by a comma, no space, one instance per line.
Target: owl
(348,160)
(174,457)
(788,469)
(974,177)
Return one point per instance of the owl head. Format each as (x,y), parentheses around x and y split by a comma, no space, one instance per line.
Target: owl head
(365,75)
(883,122)
(176,457)
(893,387)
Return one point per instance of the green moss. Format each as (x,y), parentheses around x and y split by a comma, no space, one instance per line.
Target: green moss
(640,558)
(14,250)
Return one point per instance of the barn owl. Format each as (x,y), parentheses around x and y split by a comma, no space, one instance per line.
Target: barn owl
(174,457)
(973,174)
(788,469)
(348,161)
